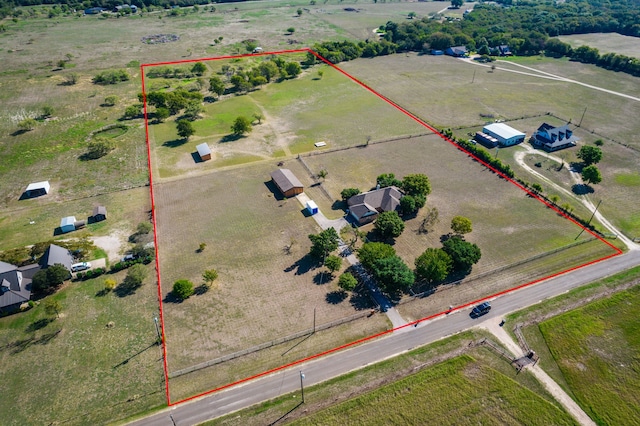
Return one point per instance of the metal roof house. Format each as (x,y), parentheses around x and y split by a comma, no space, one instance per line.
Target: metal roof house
(56,255)
(287,182)
(67,224)
(37,189)
(506,135)
(365,207)
(552,138)
(204,151)
(457,51)
(15,289)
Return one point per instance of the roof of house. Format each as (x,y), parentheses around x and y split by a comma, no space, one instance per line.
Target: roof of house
(458,49)
(57,255)
(203,149)
(373,202)
(97,210)
(14,289)
(66,221)
(503,130)
(285,180)
(555,136)
(39,185)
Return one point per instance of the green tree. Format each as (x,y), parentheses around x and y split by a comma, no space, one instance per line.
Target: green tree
(136,274)
(590,154)
(209,276)
(268,69)
(47,111)
(408,205)
(133,111)
(416,184)
(52,307)
(161,114)
(299,12)
(347,281)
(433,265)
(393,274)
(333,263)
(371,252)
(193,110)
(240,83)
(291,30)
(348,193)
(144,228)
(387,179)
(463,254)
(591,175)
(199,68)
(411,15)
(182,289)
(293,69)
(185,128)
(258,116)
(27,124)
(323,243)
(47,280)
(457,3)
(389,224)
(99,147)
(111,100)
(322,174)
(216,85)
(241,125)
(461,225)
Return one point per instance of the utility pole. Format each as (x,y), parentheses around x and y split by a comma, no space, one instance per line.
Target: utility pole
(314,320)
(302,386)
(474,77)
(589,221)
(583,113)
(155,319)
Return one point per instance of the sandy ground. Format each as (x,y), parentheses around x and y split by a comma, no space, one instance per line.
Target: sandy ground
(112,244)
(554,389)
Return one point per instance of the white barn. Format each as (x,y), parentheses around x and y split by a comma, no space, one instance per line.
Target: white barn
(506,135)
(37,189)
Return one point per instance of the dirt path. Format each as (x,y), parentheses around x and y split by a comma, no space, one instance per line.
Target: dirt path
(575,176)
(554,389)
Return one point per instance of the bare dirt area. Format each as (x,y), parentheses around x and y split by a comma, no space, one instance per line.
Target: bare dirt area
(112,244)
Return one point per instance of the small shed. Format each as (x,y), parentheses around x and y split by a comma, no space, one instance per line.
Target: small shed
(99,213)
(79,224)
(67,224)
(37,189)
(312,207)
(204,151)
(287,182)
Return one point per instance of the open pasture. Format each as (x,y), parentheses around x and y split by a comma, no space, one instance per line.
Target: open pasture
(605,43)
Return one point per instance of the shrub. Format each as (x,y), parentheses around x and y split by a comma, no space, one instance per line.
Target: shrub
(182,289)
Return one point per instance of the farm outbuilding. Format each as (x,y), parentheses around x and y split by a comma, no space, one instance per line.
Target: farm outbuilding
(37,189)
(99,213)
(506,135)
(287,182)
(68,224)
(204,151)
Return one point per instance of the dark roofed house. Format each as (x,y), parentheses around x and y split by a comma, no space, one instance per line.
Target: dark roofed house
(457,51)
(552,138)
(99,213)
(365,207)
(15,289)
(287,182)
(56,255)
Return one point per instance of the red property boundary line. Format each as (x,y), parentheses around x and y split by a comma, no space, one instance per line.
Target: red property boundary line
(531,194)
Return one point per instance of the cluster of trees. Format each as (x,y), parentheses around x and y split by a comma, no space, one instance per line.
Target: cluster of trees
(196,69)
(482,154)
(340,51)
(274,69)
(111,77)
(590,156)
(183,289)
(390,271)
(590,55)
(46,281)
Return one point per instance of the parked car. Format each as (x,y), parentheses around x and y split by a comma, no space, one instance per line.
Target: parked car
(128,257)
(481,309)
(80,266)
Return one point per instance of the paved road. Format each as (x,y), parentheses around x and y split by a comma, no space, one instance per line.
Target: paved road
(392,344)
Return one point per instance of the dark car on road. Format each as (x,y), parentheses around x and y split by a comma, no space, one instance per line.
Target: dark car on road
(480,310)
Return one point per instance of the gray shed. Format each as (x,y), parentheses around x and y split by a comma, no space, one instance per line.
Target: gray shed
(204,151)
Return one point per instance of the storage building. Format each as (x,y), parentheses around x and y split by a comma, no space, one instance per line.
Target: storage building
(312,207)
(506,135)
(67,224)
(287,182)
(204,151)
(37,189)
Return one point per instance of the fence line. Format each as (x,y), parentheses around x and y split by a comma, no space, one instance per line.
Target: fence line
(497,349)
(517,330)
(267,345)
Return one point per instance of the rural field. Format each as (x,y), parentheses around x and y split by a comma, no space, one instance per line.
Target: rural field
(605,43)
(95,373)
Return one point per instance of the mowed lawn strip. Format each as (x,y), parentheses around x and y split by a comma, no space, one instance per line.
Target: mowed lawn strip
(596,348)
(460,391)
(76,369)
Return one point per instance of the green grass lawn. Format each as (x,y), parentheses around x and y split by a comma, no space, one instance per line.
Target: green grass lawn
(460,391)
(75,370)
(596,348)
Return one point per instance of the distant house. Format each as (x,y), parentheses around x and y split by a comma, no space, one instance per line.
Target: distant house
(506,135)
(15,289)
(55,255)
(67,224)
(287,182)
(126,8)
(504,50)
(94,10)
(204,151)
(37,189)
(99,213)
(552,138)
(457,51)
(437,52)
(365,207)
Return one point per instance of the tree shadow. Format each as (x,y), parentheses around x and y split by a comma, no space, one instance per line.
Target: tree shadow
(125,289)
(576,166)
(303,265)
(335,297)
(39,324)
(102,293)
(21,345)
(201,289)
(582,189)
(171,298)
(361,299)
(322,277)
(175,143)
(231,138)
(19,132)
(339,205)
